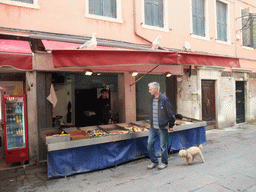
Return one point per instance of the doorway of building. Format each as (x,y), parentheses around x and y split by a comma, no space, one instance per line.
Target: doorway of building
(171,91)
(240,107)
(208,103)
(85,103)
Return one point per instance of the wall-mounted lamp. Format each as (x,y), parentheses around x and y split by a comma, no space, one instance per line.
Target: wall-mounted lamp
(168,74)
(134,73)
(88,72)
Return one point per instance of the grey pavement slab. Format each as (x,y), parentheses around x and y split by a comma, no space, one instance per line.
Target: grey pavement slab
(237,182)
(230,166)
(214,188)
(252,189)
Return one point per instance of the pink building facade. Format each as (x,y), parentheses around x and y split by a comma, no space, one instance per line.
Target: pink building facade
(213,73)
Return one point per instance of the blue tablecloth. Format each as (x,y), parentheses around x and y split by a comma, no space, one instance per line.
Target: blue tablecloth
(94,157)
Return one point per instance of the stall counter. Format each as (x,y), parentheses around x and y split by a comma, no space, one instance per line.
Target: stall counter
(76,156)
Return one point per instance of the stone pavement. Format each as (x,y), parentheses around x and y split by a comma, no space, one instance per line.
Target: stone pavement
(230,166)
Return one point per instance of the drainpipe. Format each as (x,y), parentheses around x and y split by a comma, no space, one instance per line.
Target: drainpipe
(135,29)
(134,23)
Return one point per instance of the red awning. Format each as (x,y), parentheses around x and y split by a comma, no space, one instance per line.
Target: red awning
(111,58)
(129,60)
(14,46)
(200,59)
(18,61)
(15,54)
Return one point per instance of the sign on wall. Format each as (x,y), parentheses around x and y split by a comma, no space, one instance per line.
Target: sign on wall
(12,87)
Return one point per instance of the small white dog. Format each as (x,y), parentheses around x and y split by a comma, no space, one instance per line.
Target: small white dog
(190,154)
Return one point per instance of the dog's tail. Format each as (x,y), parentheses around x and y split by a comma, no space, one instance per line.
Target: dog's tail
(200,146)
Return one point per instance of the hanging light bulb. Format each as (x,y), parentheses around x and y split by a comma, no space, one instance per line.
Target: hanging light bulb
(88,72)
(168,74)
(134,73)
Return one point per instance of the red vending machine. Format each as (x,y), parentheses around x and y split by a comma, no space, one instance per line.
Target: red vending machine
(15,128)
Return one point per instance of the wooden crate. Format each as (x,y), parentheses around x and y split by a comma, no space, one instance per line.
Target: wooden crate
(78,134)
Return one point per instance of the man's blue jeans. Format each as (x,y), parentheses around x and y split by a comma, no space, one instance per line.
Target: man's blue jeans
(153,134)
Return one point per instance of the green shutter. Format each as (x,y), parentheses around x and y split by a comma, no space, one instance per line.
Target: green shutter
(99,7)
(107,8)
(91,6)
(95,7)
(194,15)
(113,8)
(198,17)
(253,30)
(221,21)
(246,27)
(201,25)
(25,1)
(148,6)
(158,13)
(103,8)
(154,13)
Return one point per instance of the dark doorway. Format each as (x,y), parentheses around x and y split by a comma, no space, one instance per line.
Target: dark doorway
(208,103)
(85,100)
(171,91)
(240,107)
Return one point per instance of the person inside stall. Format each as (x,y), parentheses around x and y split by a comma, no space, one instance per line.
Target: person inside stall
(103,108)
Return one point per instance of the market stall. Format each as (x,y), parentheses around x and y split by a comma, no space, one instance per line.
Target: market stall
(74,150)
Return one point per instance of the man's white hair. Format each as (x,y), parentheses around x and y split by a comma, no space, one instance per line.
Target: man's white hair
(154,85)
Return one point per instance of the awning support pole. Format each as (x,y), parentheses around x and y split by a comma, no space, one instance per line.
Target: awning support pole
(144,75)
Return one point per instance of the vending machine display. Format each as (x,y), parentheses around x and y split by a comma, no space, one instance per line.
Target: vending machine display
(15,127)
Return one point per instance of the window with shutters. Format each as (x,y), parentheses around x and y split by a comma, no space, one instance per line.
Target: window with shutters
(248,28)
(221,11)
(22,3)
(104,9)
(25,1)
(222,15)
(198,17)
(155,14)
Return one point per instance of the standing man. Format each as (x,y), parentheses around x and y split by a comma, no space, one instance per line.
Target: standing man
(162,118)
(103,108)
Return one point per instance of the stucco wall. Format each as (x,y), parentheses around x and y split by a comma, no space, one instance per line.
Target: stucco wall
(188,103)
(227,102)
(69,17)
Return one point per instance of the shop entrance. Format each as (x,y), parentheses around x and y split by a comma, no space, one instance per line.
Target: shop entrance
(208,103)
(85,103)
(240,108)
(171,91)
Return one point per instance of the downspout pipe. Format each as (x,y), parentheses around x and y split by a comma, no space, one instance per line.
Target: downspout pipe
(135,29)
(134,24)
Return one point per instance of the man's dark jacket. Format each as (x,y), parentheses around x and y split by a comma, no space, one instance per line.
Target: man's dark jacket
(165,112)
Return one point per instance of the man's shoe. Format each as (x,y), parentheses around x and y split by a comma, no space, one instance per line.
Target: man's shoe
(162,166)
(152,165)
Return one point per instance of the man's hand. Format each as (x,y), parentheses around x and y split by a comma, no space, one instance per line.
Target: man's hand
(171,129)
